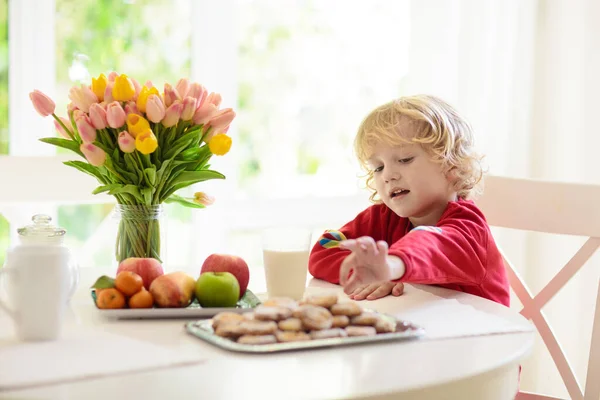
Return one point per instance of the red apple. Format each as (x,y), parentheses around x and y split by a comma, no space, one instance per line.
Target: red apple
(148,268)
(228,263)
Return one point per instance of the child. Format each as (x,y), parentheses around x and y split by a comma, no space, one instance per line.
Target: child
(422,169)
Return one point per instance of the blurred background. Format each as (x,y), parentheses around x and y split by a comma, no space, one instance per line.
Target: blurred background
(301,75)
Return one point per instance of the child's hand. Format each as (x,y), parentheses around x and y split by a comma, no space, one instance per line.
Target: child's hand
(373,291)
(367,262)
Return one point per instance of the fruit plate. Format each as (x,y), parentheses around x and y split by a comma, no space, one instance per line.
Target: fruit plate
(203,330)
(193,311)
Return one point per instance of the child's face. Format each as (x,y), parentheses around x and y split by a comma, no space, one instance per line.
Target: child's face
(410,183)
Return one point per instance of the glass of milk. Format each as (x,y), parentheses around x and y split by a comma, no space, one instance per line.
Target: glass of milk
(285,256)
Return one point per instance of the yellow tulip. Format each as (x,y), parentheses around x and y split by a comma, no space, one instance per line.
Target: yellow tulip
(146,142)
(99,86)
(123,90)
(136,124)
(220,144)
(143,97)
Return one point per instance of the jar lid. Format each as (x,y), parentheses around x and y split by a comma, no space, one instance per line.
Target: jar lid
(41,228)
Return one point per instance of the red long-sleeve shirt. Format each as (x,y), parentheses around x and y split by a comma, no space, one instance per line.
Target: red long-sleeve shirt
(458,253)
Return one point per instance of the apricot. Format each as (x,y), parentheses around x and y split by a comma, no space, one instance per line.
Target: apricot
(129,283)
(110,298)
(142,299)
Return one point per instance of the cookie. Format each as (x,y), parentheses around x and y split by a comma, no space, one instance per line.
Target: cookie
(347,308)
(316,318)
(365,319)
(231,330)
(328,333)
(291,324)
(360,331)
(271,313)
(257,339)
(226,317)
(258,327)
(385,325)
(297,312)
(281,302)
(322,300)
(340,321)
(289,336)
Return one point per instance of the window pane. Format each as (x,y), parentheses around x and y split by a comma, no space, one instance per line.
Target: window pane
(127,37)
(308,75)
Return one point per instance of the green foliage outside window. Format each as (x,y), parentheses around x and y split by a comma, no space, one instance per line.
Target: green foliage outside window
(4,226)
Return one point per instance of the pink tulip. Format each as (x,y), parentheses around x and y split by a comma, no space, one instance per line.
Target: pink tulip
(87,132)
(182,87)
(189,107)
(221,120)
(95,155)
(71,107)
(126,142)
(60,129)
(173,114)
(214,98)
(77,113)
(132,108)
(170,95)
(98,116)
(115,115)
(149,84)
(42,103)
(198,92)
(205,113)
(112,76)
(203,198)
(155,109)
(82,97)
(137,87)
(108,97)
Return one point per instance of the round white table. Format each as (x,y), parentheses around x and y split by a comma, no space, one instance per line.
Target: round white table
(476,367)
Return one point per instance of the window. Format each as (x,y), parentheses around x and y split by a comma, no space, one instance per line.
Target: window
(301,76)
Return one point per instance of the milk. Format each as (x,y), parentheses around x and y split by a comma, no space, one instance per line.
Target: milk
(285,272)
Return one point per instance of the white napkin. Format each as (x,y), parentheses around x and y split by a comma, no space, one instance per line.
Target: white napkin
(78,355)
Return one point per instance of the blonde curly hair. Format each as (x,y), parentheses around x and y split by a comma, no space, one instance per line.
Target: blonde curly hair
(432,123)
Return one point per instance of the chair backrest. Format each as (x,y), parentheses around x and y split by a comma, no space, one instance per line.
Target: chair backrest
(551,207)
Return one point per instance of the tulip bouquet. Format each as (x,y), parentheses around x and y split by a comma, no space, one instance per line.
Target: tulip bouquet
(142,146)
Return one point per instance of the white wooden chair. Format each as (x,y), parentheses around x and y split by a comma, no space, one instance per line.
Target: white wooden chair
(559,208)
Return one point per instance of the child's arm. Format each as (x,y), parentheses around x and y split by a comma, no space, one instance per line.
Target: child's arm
(453,252)
(326,256)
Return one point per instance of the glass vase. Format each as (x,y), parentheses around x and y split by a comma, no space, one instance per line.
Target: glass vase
(140,232)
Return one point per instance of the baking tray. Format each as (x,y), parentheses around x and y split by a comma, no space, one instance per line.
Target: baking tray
(203,329)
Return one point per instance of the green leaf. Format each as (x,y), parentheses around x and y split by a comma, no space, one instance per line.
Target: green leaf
(64,143)
(87,168)
(104,282)
(183,201)
(147,195)
(191,154)
(191,177)
(133,166)
(106,188)
(151,175)
(130,189)
(182,143)
(248,300)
